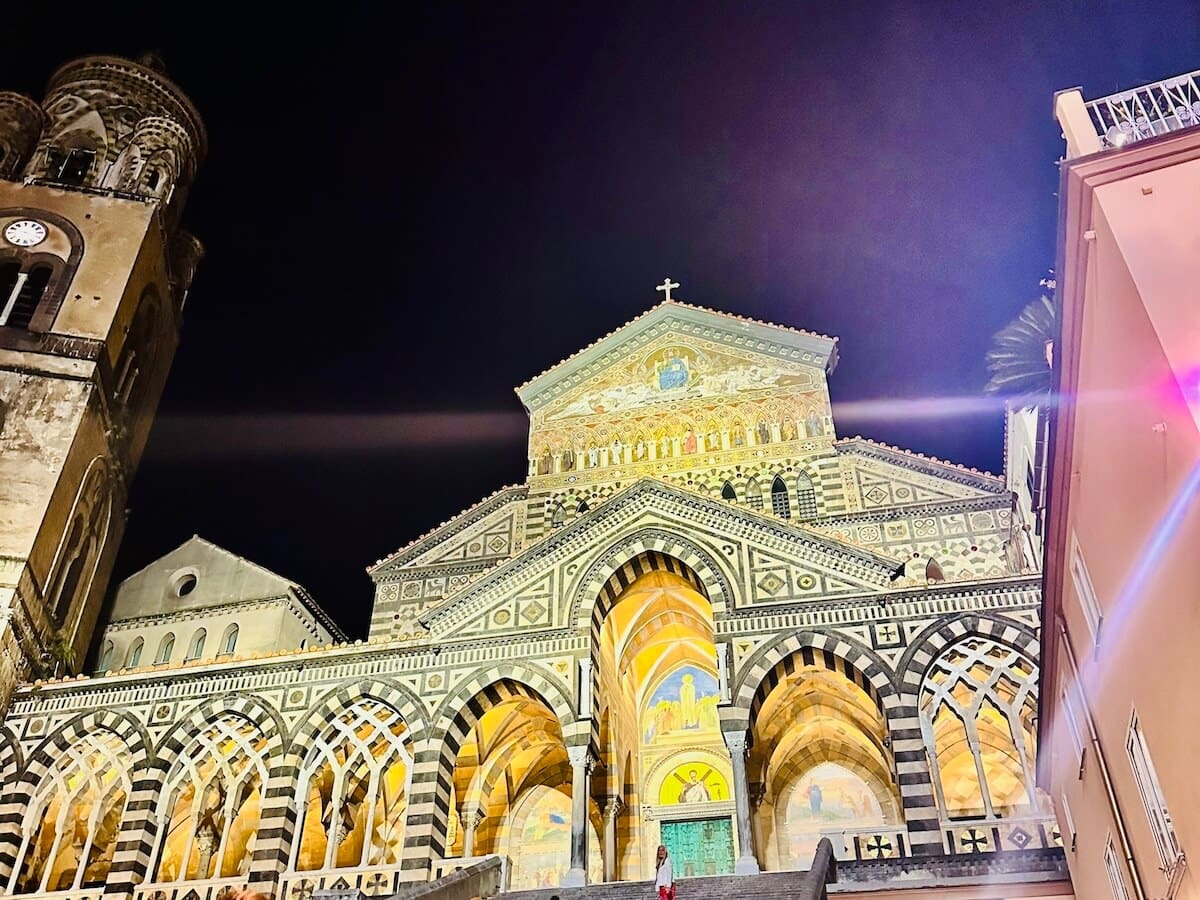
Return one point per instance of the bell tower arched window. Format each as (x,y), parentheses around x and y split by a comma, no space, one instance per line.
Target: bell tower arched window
(70,165)
(34,272)
(24,291)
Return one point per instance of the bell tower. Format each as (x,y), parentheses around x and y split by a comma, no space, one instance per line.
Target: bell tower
(94,272)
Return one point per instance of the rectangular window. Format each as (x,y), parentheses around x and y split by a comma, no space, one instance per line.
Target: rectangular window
(1070,717)
(1068,825)
(1086,593)
(1152,797)
(1115,879)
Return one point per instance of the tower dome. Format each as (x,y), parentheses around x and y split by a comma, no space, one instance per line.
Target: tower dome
(119,125)
(21,123)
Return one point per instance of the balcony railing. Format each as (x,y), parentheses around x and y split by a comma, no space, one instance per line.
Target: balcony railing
(1152,109)
(997,835)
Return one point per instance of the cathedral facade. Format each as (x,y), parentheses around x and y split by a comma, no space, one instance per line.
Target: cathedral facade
(703,620)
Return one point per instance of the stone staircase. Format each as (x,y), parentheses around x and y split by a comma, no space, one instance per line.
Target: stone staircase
(810,885)
(766,886)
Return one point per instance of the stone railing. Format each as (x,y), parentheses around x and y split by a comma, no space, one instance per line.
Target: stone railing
(1152,109)
(992,835)
(209,889)
(481,879)
(871,842)
(369,881)
(445,867)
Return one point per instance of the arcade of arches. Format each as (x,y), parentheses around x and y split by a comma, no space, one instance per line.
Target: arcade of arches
(658,763)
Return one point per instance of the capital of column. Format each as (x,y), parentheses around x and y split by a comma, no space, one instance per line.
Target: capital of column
(737,742)
(581,756)
(613,807)
(474,818)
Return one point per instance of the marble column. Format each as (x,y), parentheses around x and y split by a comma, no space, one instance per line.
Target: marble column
(471,820)
(612,810)
(581,766)
(746,863)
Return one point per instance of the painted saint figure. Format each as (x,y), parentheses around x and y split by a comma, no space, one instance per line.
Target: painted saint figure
(814,798)
(689,442)
(695,791)
(688,711)
(672,373)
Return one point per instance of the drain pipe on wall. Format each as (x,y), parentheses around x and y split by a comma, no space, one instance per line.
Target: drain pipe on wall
(1113,805)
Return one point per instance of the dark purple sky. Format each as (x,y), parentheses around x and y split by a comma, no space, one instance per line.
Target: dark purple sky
(409,213)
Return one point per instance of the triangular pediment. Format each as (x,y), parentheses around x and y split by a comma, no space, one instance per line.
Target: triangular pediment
(485,533)
(674,352)
(887,477)
(762,560)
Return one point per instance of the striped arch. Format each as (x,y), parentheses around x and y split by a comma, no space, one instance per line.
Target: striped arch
(929,644)
(635,555)
(281,803)
(10,757)
(248,707)
(771,664)
(395,695)
(19,790)
(135,845)
(432,788)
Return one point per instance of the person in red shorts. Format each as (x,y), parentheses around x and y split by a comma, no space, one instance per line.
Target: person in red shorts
(664,877)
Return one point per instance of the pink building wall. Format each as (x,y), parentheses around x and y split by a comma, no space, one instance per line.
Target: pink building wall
(1125,462)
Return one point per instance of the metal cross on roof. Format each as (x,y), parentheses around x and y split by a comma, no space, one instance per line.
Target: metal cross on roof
(666,287)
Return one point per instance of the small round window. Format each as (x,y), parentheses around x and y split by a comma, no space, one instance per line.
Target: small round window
(184,583)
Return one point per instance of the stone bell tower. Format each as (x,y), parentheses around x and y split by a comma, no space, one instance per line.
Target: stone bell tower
(94,271)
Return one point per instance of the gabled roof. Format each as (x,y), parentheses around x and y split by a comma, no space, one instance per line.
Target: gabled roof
(931,465)
(451,526)
(737,331)
(220,577)
(611,513)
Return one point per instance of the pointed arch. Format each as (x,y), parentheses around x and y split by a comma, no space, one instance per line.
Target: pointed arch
(806,497)
(19,789)
(728,492)
(330,704)
(770,664)
(754,497)
(433,788)
(621,563)
(781,504)
(248,707)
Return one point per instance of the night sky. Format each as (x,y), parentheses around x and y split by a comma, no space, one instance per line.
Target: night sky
(408,213)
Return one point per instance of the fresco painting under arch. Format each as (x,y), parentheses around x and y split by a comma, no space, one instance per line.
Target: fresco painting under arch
(540,847)
(693,782)
(827,797)
(682,706)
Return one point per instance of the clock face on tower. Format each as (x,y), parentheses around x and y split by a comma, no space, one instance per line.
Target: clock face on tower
(25,233)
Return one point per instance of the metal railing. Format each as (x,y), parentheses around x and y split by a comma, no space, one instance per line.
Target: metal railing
(1152,109)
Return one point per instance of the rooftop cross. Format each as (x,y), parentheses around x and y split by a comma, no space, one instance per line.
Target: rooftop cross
(666,286)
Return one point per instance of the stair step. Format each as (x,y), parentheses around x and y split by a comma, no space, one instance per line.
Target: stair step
(764,886)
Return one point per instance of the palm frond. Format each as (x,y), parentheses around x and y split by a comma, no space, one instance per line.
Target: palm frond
(1018,361)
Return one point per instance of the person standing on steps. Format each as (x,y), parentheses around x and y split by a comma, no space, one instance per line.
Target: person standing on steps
(664,877)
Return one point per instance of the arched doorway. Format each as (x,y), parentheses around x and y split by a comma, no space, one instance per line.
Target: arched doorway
(821,762)
(512,788)
(657,688)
